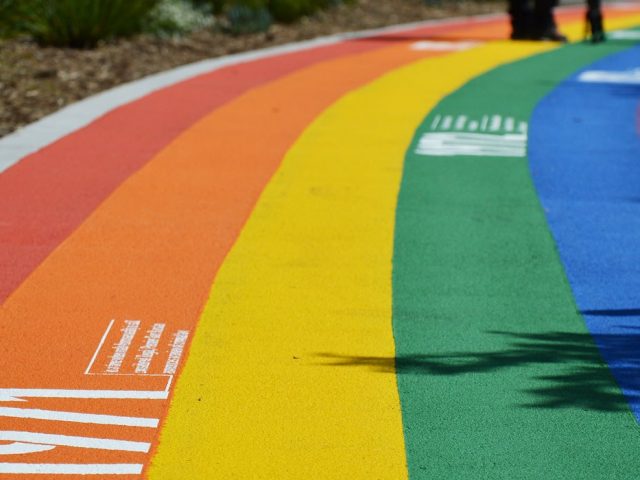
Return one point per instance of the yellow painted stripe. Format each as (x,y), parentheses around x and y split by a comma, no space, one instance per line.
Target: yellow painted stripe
(575,30)
(311,275)
(629,21)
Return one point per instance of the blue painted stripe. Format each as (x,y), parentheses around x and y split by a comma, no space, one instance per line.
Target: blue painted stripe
(584,152)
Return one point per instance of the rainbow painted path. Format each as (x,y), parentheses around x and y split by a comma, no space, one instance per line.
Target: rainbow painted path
(407,254)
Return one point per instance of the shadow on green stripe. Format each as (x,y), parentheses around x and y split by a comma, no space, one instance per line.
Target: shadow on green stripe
(583,382)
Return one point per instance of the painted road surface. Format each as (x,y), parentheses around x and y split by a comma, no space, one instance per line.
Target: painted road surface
(402,254)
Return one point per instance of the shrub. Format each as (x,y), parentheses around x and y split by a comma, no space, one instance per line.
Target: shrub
(287,11)
(80,23)
(171,17)
(84,23)
(290,10)
(248,18)
(11,13)
(216,6)
(240,12)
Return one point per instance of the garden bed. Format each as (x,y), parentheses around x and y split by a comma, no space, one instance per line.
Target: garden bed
(35,81)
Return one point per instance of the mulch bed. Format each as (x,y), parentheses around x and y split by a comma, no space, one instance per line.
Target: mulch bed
(36,81)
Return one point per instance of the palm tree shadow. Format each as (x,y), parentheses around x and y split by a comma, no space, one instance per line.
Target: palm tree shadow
(584,381)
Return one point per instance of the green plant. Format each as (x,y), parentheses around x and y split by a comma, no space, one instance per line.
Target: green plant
(288,11)
(171,17)
(81,23)
(241,12)
(11,13)
(216,6)
(248,17)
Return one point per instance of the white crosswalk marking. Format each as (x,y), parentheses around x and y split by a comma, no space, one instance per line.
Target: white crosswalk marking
(474,144)
(627,77)
(72,468)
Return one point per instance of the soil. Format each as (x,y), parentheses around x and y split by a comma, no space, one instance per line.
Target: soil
(36,81)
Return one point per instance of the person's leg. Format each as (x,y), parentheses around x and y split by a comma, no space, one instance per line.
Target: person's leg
(521,19)
(594,21)
(544,26)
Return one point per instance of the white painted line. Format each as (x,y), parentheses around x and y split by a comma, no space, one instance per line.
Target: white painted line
(625,77)
(474,144)
(123,345)
(17,394)
(460,122)
(149,349)
(79,417)
(74,441)
(33,137)
(177,349)
(95,355)
(434,144)
(509,124)
(72,468)
(523,127)
(452,146)
(466,137)
(624,35)
(496,123)
(442,46)
(169,383)
(484,123)
(19,448)
(472,152)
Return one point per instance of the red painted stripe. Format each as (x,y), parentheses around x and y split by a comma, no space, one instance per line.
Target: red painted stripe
(48,194)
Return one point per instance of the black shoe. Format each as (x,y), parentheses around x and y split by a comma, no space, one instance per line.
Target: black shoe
(550,33)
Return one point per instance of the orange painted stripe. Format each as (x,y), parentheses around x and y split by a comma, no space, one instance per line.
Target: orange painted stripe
(149,254)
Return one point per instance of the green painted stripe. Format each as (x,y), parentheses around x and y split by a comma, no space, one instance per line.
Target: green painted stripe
(498,376)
